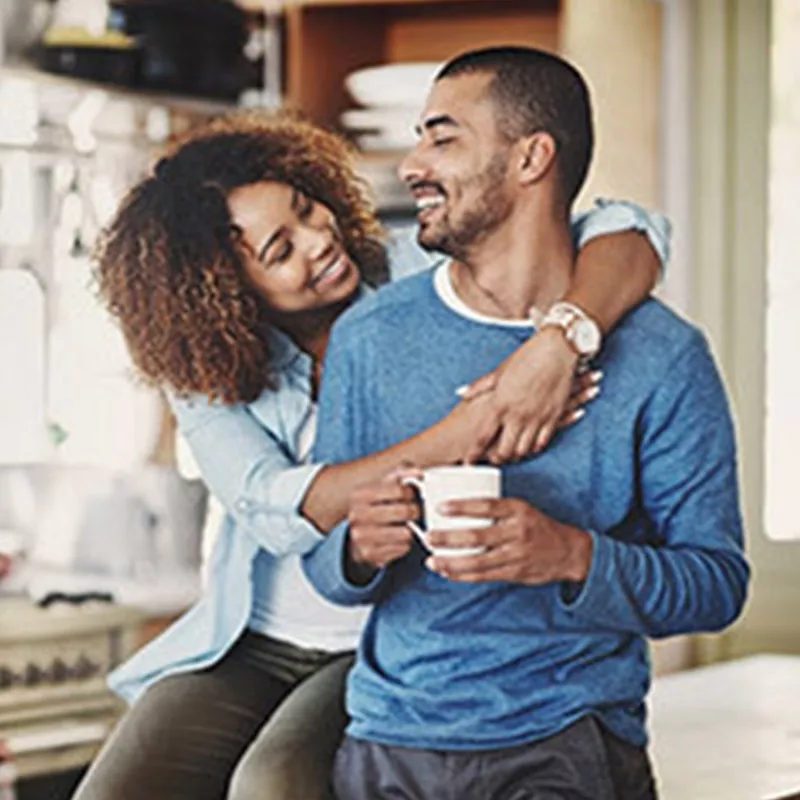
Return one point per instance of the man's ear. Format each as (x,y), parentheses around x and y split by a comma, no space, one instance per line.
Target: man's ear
(537,157)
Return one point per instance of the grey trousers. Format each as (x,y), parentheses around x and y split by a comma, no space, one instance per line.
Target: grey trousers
(262,724)
(583,762)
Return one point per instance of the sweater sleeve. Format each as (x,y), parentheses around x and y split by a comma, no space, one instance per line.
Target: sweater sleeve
(695,579)
(341,436)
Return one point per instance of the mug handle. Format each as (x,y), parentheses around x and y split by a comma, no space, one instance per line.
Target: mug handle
(419,485)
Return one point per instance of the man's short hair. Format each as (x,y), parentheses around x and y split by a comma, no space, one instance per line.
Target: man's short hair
(537,91)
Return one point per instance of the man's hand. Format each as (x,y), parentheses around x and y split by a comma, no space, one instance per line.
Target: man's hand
(523,545)
(378,515)
(534,392)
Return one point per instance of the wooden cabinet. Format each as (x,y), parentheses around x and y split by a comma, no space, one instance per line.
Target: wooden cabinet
(327,39)
(55,707)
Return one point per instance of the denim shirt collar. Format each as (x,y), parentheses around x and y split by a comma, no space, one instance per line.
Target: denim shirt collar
(285,355)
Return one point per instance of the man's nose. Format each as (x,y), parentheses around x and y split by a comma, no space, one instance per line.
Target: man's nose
(411,168)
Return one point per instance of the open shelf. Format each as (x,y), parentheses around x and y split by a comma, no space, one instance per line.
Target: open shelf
(328,39)
(190,105)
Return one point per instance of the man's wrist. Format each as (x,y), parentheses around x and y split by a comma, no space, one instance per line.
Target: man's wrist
(580,555)
(357,572)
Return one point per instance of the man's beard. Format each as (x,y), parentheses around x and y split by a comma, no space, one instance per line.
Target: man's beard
(476,223)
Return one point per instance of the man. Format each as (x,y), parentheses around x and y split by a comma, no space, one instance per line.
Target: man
(520,672)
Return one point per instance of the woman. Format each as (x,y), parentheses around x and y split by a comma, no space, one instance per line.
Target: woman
(226,269)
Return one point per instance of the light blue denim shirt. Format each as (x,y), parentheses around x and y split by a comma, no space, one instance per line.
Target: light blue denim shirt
(249,456)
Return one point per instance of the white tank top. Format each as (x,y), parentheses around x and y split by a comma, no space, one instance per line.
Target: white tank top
(285,606)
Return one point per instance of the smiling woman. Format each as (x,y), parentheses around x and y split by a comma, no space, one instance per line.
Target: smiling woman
(199,223)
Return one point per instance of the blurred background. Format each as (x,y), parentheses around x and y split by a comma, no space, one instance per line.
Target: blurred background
(103,520)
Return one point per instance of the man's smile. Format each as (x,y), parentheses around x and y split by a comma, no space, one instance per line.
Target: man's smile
(428,198)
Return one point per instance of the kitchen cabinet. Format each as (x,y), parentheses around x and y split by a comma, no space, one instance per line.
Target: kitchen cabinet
(55,708)
(324,40)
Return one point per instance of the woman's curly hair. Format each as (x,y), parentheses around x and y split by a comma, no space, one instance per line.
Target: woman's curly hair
(170,265)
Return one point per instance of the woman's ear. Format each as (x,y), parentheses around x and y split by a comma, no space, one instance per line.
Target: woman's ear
(538,157)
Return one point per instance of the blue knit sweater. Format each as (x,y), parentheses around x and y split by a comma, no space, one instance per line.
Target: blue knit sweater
(650,472)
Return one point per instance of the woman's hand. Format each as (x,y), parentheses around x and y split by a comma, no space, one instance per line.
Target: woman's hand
(451,440)
(528,398)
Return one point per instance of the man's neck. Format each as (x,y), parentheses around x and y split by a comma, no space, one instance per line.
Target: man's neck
(527,263)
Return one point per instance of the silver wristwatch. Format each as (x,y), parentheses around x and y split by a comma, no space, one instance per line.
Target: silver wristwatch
(580,330)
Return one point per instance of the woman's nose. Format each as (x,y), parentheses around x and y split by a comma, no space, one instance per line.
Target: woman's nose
(318,242)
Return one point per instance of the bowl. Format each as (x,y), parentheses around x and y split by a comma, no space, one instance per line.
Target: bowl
(392,85)
(392,118)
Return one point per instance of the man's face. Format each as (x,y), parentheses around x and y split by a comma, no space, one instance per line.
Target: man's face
(458,172)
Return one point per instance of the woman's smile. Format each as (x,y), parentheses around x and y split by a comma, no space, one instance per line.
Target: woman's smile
(338,270)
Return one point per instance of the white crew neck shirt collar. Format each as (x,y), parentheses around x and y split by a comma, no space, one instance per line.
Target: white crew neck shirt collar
(443,285)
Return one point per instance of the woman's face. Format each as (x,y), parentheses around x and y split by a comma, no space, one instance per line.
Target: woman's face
(295,256)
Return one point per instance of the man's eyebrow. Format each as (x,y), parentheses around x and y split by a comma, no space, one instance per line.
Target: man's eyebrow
(435,122)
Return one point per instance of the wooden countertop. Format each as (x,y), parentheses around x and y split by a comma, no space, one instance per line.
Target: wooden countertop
(730,731)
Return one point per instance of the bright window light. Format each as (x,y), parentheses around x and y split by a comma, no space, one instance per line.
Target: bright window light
(23,433)
(782,441)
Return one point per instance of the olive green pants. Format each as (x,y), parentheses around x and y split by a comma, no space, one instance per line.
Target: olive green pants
(262,724)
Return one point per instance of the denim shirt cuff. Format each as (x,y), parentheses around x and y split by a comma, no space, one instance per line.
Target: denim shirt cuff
(615,216)
(289,487)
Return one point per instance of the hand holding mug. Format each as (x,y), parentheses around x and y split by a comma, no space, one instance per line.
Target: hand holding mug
(379,516)
(519,544)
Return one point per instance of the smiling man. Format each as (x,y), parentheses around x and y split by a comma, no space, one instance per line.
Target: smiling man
(521,672)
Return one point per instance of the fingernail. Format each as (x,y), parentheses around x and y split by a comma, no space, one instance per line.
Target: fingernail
(592,393)
(462,390)
(445,508)
(579,413)
(596,375)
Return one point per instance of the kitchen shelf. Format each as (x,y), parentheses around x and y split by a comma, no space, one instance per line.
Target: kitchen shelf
(257,6)
(190,105)
(325,40)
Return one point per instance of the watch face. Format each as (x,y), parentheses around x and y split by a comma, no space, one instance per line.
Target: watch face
(586,337)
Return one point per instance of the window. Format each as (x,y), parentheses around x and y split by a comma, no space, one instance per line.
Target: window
(782,440)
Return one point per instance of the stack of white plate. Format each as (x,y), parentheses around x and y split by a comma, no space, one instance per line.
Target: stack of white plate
(392,96)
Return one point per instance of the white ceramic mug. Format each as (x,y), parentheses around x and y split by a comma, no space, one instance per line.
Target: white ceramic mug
(440,484)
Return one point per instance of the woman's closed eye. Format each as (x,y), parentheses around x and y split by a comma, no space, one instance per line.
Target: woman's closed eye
(283,250)
(277,250)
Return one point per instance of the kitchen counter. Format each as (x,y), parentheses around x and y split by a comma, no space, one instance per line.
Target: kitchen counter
(55,708)
(730,731)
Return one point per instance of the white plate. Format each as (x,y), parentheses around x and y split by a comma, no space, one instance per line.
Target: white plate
(380,119)
(387,140)
(405,84)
